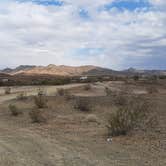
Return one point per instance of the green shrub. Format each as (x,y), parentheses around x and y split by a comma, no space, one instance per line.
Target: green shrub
(14,110)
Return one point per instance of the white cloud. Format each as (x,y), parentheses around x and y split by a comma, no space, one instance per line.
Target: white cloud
(37,34)
(158,2)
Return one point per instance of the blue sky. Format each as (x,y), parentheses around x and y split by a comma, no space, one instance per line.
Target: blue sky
(111,33)
(128,5)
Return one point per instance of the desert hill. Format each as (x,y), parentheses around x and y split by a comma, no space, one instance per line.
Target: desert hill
(88,70)
(61,70)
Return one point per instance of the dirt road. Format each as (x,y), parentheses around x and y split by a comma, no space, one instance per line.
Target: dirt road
(32,90)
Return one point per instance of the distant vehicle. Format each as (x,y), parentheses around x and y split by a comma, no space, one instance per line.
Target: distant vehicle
(83,78)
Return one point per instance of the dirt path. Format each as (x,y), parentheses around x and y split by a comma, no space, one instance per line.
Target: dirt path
(32,90)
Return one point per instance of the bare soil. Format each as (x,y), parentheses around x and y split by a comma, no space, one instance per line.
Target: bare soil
(68,138)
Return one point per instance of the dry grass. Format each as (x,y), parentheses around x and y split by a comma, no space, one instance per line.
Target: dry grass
(92,118)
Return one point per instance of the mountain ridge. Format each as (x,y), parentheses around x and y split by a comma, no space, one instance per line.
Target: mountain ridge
(63,70)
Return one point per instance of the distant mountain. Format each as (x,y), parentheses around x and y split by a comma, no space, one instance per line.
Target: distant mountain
(51,69)
(132,71)
(63,70)
(17,69)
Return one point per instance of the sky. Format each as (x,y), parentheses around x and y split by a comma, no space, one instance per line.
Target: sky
(117,34)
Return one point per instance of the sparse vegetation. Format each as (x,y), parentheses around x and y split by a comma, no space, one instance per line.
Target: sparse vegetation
(22,96)
(65,93)
(37,116)
(122,97)
(86,119)
(108,91)
(136,77)
(14,110)
(128,116)
(61,92)
(92,118)
(83,104)
(40,101)
(7,90)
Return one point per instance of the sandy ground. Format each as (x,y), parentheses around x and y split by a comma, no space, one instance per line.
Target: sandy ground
(67,139)
(32,90)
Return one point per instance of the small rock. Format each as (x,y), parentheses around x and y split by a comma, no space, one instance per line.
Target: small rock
(109,139)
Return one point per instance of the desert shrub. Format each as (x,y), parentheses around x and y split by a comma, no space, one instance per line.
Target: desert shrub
(92,118)
(128,117)
(61,91)
(40,101)
(152,89)
(122,97)
(83,104)
(87,87)
(7,90)
(41,92)
(22,96)
(36,116)
(136,77)
(14,110)
(68,96)
(108,91)
(64,93)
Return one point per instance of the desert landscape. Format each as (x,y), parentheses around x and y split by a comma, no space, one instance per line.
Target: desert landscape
(82,82)
(70,124)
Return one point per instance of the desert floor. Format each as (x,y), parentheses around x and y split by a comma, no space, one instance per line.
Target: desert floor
(70,138)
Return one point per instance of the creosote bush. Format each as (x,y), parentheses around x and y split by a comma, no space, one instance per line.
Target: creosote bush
(64,93)
(122,98)
(7,90)
(36,116)
(108,91)
(128,116)
(83,104)
(40,101)
(14,110)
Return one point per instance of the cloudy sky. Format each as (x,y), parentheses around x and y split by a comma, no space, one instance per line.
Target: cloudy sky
(111,33)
